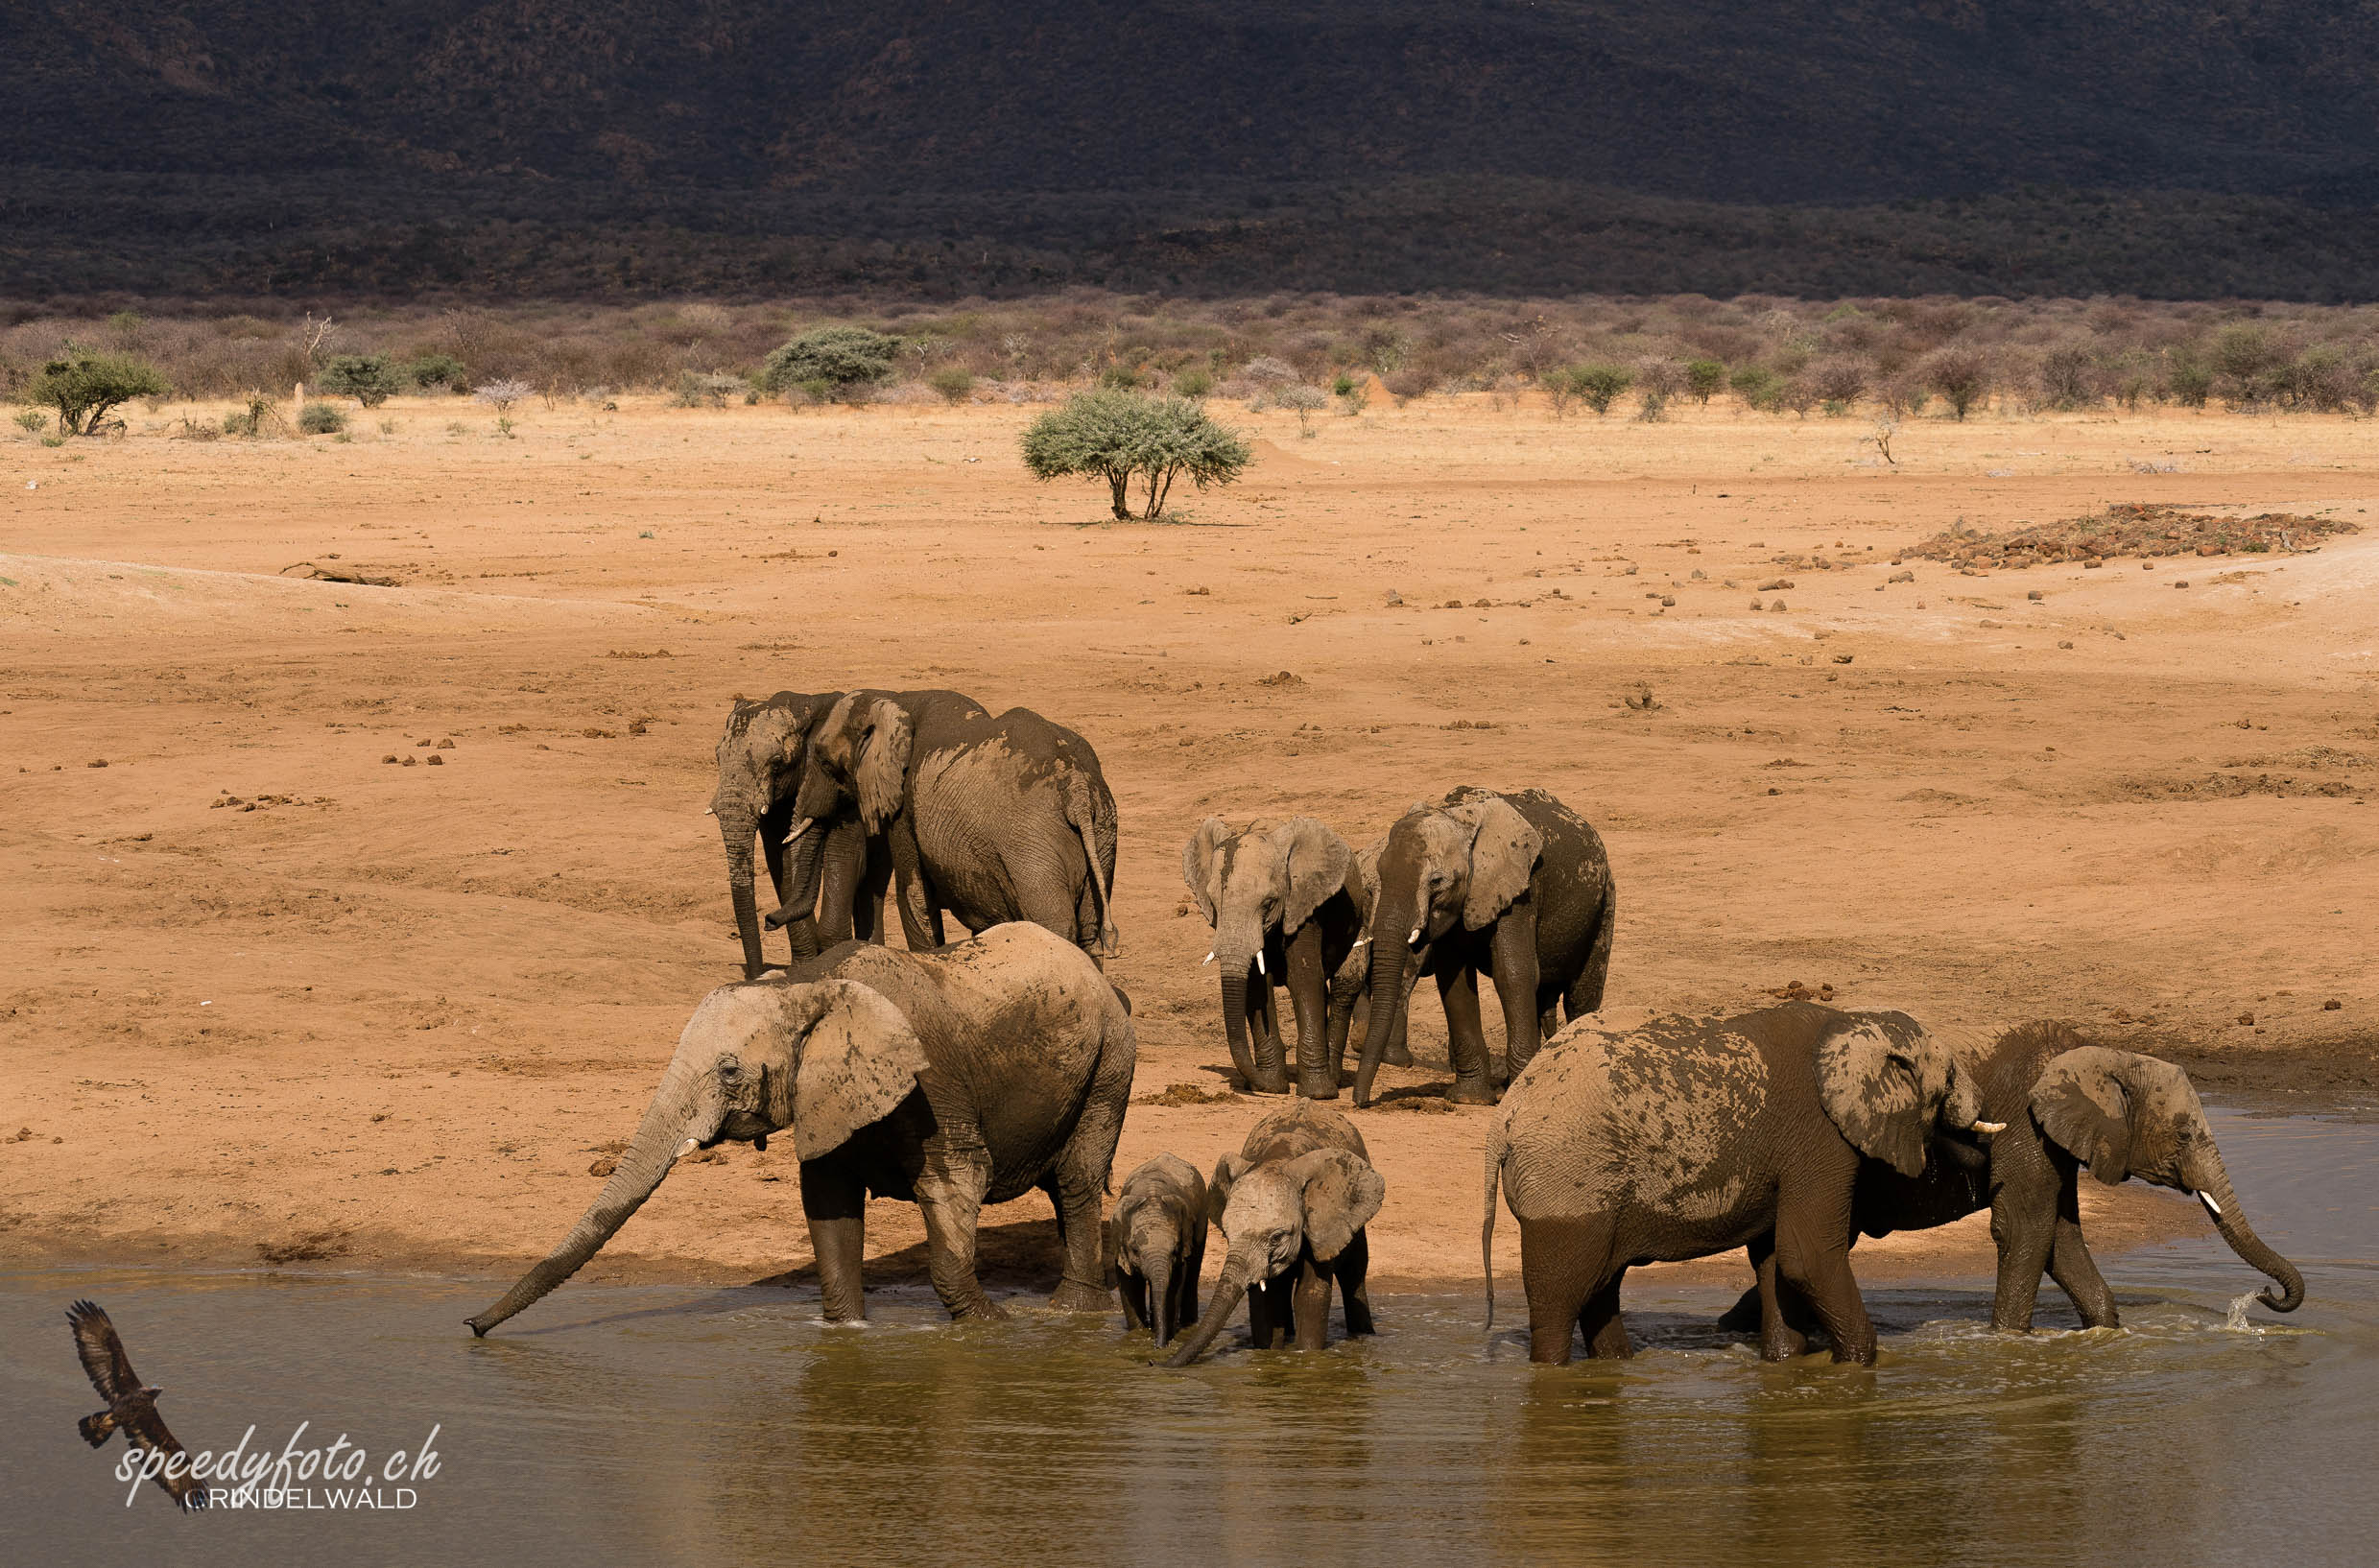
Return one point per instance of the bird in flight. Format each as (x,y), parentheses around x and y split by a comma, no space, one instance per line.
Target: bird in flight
(132,1405)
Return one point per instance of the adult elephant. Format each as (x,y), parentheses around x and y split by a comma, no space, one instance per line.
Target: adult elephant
(951,1079)
(1514,885)
(2066,1103)
(1287,904)
(994,818)
(838,885)
(1689,1137)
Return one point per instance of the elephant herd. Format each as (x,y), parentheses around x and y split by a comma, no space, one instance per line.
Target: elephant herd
(953,1076)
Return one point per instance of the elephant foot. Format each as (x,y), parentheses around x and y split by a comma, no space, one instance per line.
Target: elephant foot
(1470,1092)
(1269,1085)
(1072,1296)
(980,1310)
(1397,1057)
(1317,1085)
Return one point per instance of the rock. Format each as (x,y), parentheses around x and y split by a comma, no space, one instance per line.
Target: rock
(1901,577)
(390,757)
(1756,604)
(1777,606)
(437,761)
(2330,1006)
(2034,595)
(2247,1017)
(1667,602)
(604,1166)
(1841,658)
(2065,645)
(1394,599)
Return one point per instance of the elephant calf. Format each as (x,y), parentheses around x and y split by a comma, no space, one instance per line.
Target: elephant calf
(950,1079)
(2064,1103)
(1292,1204)
(1689,1137)
(1157,1244)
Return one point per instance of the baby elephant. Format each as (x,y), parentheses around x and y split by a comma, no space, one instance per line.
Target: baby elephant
(1292,1204)
(1157,1243)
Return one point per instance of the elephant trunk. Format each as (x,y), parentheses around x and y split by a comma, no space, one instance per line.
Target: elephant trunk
(675,1116)
(738,829)
(2215,1192)
(1391,950)
(1229,1291)
(1160,1300)
(805,865)
(1236,943)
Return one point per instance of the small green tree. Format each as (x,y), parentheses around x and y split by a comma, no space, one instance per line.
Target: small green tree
(1598,386)
(836,361)
(438,370)
(322,419)
(84,385)
(1961,376)
(956,382)
(1118,436)
(371,379)
(1703,378)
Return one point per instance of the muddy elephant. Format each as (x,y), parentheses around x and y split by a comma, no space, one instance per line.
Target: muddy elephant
(1689,1137)
(2064,1103)
(1287,905)
(994,818)
(1156,1242)
(1515,886)
(951,1078)
(1292,1204)
(761,754)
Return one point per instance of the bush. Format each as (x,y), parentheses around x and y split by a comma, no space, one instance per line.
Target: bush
(1704,377)
(322,419)
(1305,400)
(2065,379)
(1839,383)
(829,362)
(83,386)
(956,382)
(697,390)
(1194,382)
(1118,436)
(501,396)
(1120,378)
(30,420)
(1959,377)
(1597,385)
(1757,386)
(438,370)
(371,379)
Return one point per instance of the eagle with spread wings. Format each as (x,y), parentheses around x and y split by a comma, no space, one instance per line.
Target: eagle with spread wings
(132,1405)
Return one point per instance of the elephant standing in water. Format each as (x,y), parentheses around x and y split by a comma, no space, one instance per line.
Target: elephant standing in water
(1689,1137)
(1157,1243)
(1287,905)
(951,1079)
(831,889)
(2064,1103)
(994,818)
(1514,885)
(1293,1204)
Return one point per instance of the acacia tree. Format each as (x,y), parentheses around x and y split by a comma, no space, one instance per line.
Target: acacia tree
(84,385)
(1121,435)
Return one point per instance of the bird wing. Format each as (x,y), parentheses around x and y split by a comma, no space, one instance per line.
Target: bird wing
(104,1361)
(147,1430)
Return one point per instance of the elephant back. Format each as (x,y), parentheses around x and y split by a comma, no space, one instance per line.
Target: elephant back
(1299,1127)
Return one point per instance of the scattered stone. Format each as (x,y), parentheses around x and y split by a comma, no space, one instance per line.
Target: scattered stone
(1283,678)
(604,1165)
(437,761)
(1775,583)
(2247,1017)
(2131,529)
(2065,645)
(97,762)
(1777,606)
(1641,699)
(446,744)
(1793,990)
(1841,658)
(1394,599)
(1667,602)
(1428,1105)
(2330,1006)
(1901,577)
(2034,595)
(390,757)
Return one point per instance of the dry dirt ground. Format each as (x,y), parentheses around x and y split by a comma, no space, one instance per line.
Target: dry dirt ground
(268,995)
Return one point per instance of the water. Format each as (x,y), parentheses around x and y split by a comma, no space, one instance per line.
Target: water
(668,1425)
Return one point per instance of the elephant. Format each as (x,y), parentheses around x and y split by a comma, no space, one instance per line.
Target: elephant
(1688,1137)
(951,1078)
(2065,1102)
(1156,1242)
(761,755)
(995,818)
(1292,1204)
(1514,885)
(1287,904)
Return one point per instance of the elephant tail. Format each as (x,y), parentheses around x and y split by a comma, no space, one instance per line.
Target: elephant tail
(1486,1220)
(1090,811)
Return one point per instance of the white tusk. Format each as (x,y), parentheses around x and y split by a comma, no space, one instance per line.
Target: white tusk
(1415,937)
(2212,1207)
(798,828)
(710,811)
(1259,962)
(1362,941)
(1209,959)
(686,1148)
(1990,1127)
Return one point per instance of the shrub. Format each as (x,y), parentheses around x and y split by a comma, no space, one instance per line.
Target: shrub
(1757,386)
(1353,393)
(1305,400)
(322,419)
(1597,385)
(1268,372)
(697,390)
(438,370)
(1704,377)
(250,422)
(829,362)
(1839,383)
(30,420)
(2065,378)
(956,382)
(84,386)
(371,379)
(1118,436)
(501,396)
(1195,382)
(1961,377)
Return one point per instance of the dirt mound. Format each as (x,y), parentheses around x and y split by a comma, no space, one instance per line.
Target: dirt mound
(2130,529)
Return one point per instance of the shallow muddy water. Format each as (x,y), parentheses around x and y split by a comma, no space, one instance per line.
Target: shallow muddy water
(666,1425)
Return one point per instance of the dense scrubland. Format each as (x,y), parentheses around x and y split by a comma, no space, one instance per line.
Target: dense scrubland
(1609,356)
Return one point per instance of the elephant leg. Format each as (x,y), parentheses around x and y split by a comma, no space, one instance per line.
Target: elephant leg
(1779,1339)
(1078,1180)
(1133,1289)
(868,894)
(1309,1305)
(1354,1268)
(920,917)
(2023,1224)
(1466,1037)
(1317,1068)
(949,1196)
(1599,1320)
(845,867)
(1813,1255)
(1586,994)
(835,1202)
(1082,1286)
(2077,1275)
(1398,1052)
(1271,1052)
(1268,1314)
(1563,1265)
(1513,955)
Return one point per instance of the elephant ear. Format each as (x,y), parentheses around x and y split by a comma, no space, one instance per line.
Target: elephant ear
(883,762)
(2084,1105)
(1317,861)
(857,1061)
(1227,1172)
(1201,863)
(1342,1196)
(1871,1083)
(1503,857)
